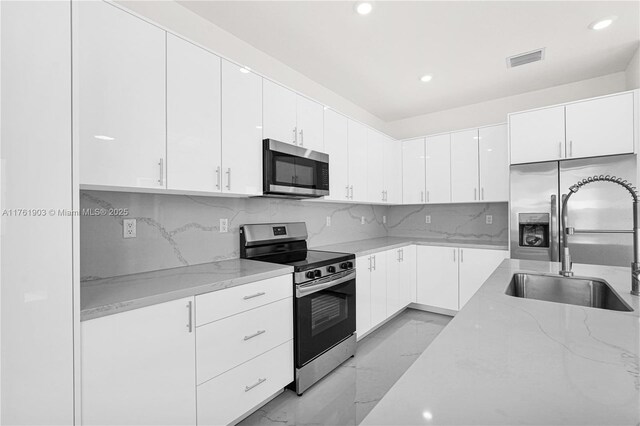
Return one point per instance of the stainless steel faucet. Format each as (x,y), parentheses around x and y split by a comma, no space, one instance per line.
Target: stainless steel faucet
(566,231)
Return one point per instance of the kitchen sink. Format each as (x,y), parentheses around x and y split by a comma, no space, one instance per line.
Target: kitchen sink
(579,291)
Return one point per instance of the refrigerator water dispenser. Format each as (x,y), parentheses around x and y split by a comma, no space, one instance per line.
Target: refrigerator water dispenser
(534,229)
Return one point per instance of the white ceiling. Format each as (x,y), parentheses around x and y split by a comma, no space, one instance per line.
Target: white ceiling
(376,61)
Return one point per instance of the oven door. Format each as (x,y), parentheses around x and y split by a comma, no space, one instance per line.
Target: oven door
(325,315)
(294,171)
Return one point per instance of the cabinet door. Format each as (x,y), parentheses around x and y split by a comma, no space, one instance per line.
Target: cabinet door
(600,127)
(375,167)
(138,367)
(475,268)
(378,288)
(438,169)
(393,171)
(279,113)
(121,96)
(408,273)
(464,166)
(357,161)
(537,135)
(193,117)
(394,281)
(494,163)
(336,137)
(413,171)
(241,171)
(363,295)
(310,121)
(437,277)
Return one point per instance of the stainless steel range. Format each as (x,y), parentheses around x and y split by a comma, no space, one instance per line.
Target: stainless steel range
(325,296)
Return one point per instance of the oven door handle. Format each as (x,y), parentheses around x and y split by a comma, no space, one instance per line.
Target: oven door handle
(308,289)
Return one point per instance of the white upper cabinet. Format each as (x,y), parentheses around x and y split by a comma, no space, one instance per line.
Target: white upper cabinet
(291,118)
(241,171)
(375,167)
(464,166)
(310,122)
(602,126)
(193,117)
(120,83)
(494,163)
(357,136)
(336,139)
(279,113)
(438,169)
(413,171)
(537,135)
(393,171)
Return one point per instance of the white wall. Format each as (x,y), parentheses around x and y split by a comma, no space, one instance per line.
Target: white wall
(633,72)
(186,23)
(495,111)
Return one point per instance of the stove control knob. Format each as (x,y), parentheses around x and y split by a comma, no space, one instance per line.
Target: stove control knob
(331,269)
(350,265)
(317,273)
(346,265)
(310,274)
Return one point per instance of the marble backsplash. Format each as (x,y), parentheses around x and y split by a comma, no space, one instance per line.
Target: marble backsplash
(180,230)
(450,221)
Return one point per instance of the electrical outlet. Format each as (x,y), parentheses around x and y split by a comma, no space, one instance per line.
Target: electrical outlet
(129,228)
(384,219)
(489,219)
(427,219)
(362,221)
(328,220)
(224,225)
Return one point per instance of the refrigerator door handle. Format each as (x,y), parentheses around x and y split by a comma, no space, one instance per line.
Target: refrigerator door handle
(554,230)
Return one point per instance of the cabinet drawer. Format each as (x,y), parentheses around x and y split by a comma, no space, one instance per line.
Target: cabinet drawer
(221,304)
(224,344)
(231,395)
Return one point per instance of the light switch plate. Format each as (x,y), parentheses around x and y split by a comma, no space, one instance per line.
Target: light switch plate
(129,228)
(489,219)
(328,220)
(427,219)
(362,221)
(224,225)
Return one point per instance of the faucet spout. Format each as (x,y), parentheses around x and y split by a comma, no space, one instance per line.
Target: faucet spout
(565,269)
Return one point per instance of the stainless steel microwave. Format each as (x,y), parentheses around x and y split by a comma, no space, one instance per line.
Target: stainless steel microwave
(294,172)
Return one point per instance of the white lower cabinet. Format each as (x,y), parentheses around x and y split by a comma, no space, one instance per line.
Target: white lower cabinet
(378,288)
(449,276)
(371,292)
(138,367)
(476,266)
(401,278)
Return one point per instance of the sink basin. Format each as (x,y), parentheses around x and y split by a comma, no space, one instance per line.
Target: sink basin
(579,291)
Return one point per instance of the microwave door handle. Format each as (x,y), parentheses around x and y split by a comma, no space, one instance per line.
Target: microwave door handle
(554,230)
(305,290)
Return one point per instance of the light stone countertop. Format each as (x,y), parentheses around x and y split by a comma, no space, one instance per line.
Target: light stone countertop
(505,360)
(374,245)
(118,294)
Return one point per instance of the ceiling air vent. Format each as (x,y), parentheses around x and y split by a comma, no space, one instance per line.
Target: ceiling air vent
(525,58)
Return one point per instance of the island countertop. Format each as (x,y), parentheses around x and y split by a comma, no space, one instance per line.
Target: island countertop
(505,360)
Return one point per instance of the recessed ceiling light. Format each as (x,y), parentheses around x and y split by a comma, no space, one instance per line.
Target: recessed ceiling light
(245,70)
(601,24)
(364,7)
(426,78)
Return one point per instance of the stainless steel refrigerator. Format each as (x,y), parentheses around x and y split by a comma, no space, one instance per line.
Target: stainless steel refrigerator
(535,200)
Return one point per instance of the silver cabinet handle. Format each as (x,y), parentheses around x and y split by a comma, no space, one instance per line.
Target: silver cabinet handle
(190,323)
(461,256)
(256,334)
(259,382)
(570,148)
(161,164)
(427,196)
(560,149)
(475,194)
(398,256)
(295,136)
(251,296)
(301,137)
(218,177)
(422,196)
(374,263)
(454,255)
(383,195)
(229,178)
(482,194)
(369,262)
(402,255)
(351,192)
(347,191)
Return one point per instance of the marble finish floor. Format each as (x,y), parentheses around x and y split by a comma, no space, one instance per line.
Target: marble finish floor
(351,391)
